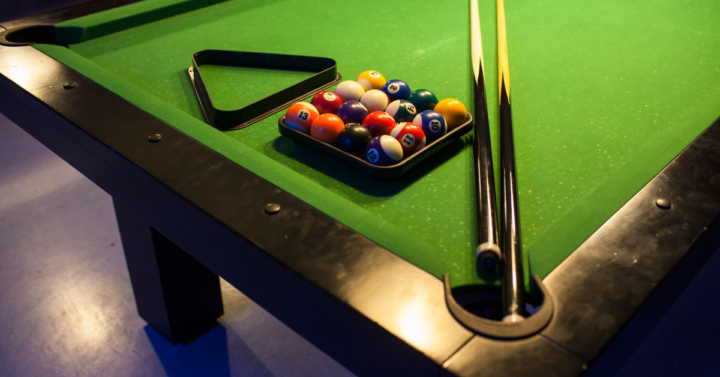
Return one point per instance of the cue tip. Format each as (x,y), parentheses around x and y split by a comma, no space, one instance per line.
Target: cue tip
(488,254)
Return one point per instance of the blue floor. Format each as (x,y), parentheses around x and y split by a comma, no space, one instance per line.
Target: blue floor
(66,305)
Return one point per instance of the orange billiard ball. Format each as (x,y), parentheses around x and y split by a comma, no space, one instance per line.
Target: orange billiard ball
(327,127)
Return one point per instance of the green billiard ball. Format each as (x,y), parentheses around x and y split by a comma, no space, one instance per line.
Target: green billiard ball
(423,99)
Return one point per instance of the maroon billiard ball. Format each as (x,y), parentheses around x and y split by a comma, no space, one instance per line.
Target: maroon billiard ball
(326,102)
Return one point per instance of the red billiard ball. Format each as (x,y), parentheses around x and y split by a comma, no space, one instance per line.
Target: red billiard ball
(326,102)
(300,116)
(327,127)
(379,123)
(410,136)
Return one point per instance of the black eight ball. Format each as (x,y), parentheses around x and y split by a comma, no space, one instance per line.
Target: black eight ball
(353,139)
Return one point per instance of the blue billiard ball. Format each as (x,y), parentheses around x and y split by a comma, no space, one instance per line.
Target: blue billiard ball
(433,124)
(396,89)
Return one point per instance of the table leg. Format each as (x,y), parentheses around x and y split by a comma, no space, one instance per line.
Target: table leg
(174,293)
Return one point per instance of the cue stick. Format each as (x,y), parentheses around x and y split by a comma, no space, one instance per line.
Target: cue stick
(513,279)
(488,251)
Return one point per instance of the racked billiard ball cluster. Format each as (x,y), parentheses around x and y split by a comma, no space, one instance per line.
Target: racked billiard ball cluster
(378,120)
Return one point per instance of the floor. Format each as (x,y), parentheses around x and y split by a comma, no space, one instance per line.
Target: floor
(67,309)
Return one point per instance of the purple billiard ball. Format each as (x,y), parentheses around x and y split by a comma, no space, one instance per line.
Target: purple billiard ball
(352,112)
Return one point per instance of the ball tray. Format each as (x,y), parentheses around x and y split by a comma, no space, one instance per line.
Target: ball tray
(378,172)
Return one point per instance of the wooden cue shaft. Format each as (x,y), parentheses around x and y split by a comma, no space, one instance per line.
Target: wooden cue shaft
(513,280)
(488,252)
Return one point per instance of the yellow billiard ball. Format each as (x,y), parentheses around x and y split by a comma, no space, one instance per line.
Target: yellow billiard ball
(453,111)
(371,80)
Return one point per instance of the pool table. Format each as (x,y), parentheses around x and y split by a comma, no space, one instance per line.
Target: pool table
(617,138)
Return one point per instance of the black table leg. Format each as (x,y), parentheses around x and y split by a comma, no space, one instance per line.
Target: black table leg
(174,293)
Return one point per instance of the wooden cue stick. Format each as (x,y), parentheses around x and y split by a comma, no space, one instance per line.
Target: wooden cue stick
(513,279)
(488,251)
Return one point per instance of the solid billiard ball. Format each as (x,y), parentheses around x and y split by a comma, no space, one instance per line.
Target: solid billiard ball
(410,136)
(379,123)
(353,139)
(433,124)
(352,112)
(349,91)
(423,99)
(402,110)
(453,111)
(375,100)
(327,127)
(396,89)
(383,150)
(371,80)
(326,102)
(300,116)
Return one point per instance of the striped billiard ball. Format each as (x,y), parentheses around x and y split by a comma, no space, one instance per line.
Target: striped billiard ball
(402,110)
(410,136)
(371,80)
(375,100)
(433,124)
(383,150)
(349,91)
(300,116)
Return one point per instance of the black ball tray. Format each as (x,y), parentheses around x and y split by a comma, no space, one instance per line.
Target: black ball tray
(378,172)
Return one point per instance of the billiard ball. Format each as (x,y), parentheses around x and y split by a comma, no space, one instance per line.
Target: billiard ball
(396,89)
(352,112)
(326,102)
(433,124)
(375,100)
(349,91)
(327,127)
(353,139)
(371,80)
(423,99)
(453,111)
(410,136)
(300,116)
(383,150)
(379,123)
(402,110)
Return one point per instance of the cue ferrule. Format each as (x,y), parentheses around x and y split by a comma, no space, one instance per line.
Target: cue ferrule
(488,254)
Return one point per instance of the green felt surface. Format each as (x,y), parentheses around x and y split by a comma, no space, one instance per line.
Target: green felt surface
(231,88)
(604,95)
